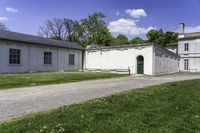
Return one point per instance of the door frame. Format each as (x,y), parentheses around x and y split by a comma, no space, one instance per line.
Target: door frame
(142,60)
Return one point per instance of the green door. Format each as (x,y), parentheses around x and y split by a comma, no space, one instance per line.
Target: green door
(140,65)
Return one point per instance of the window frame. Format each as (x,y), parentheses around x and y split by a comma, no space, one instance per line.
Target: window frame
(186,64)
(47,58)
(14,56)
(186,46)
(73,62)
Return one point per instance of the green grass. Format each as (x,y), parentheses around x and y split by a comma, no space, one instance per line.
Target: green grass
(21,80)
(167,108)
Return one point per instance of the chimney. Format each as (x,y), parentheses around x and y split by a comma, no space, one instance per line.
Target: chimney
(181,28)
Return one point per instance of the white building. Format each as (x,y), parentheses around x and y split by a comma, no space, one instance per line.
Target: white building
(189,50)
(155,60)
(25,53)
(144,59)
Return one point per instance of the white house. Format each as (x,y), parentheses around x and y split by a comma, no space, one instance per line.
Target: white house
(25,53)
(189,50)
(143,59)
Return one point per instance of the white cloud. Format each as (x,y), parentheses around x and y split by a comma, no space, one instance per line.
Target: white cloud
(192,29)
(136,13)
(128,27)
(10,9)
(3,19)
(117,13)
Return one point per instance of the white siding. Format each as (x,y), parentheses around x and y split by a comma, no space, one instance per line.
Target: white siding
(193,55)
(165,61)
(120,58)
(32,58)
(156,60)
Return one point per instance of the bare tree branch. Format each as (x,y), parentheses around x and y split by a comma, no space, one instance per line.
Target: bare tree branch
(53,29)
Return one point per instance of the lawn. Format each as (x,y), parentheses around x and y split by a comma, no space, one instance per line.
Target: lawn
(168,108)
(21,80)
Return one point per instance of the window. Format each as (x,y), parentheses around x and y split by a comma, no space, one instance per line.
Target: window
(14,56)
(186,64)
(71,59)
(47,58)
(186,46)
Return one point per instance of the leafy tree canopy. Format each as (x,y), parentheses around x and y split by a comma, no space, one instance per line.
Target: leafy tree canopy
(92,29)
(95,30)
(162,38)
(137,40)
(121,40)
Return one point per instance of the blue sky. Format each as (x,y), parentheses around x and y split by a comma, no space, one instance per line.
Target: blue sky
(130,17)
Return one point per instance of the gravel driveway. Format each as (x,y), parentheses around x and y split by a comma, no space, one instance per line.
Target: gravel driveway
(22,101)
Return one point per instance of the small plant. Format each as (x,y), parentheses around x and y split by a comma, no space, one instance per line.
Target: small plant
(58,129)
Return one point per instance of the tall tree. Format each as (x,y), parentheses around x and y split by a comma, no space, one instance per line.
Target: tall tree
(53,29)
(60,29)
(104,37)
(3,27)
(156,36)
(92,29)
(162,38)
(71,30)
(137,40)
(95,30)
(121,40)
(171,37)
(77,34)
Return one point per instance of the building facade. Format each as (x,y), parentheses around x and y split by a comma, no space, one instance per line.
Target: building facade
(20,53)
(189,50)
(146,59)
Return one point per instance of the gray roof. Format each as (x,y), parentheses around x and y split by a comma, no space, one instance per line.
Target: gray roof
(190,36)
(19,37)
(172,45)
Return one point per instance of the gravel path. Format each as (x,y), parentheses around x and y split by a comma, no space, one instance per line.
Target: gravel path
(22,101)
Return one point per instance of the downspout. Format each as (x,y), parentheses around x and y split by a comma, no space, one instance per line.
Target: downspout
(57,59)
(28,58)
(154,60)
(195,55)
(78,60)
(83,60)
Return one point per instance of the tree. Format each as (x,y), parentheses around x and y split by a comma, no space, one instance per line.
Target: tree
(161,38)
(54,29)
(137,40)
(104,37)
(121,39)
(3,27)
(60,29)
(71,30)
(78,33)
(95,30)
(92,29)
(171,37)
(156,36)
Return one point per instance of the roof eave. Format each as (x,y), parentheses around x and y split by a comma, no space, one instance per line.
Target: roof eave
(42,44)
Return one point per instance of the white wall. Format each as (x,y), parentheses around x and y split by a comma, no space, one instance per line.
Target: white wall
(165,61)
(119,58)
(32,58)
(193,55)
